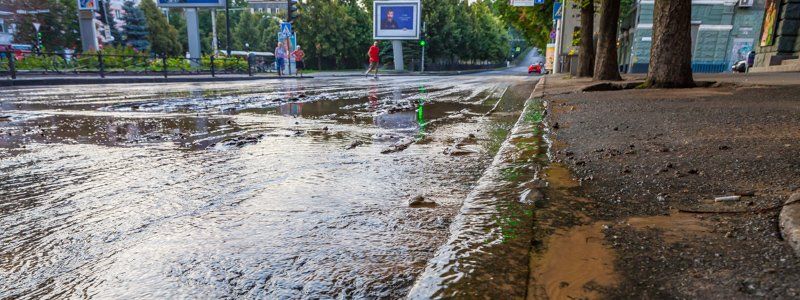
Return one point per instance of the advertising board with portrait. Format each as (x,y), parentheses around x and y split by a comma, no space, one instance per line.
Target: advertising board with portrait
(87,5)
(191,3)
(396,20)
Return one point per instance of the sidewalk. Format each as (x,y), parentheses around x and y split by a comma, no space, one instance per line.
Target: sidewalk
(651,163)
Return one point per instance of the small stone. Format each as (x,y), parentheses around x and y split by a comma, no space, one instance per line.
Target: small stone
(556,126)
(420,201)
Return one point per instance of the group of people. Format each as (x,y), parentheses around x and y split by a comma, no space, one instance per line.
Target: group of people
(282,56)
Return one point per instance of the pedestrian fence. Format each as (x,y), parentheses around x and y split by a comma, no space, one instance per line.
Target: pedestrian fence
(14,65)
(698,66)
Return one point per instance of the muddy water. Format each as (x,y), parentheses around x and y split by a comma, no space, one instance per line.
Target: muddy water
(487,253)
(234,190)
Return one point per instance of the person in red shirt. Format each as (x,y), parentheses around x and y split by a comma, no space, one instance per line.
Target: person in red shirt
(373,59)
(299,55)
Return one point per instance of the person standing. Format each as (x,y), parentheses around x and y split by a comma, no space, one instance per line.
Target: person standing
(299,55)
(280,57)
(373,59)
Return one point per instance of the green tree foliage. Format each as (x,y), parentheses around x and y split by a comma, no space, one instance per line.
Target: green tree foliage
(337,33)
(178,21)
(61,30)
(108,19)
(534,22)
(135,29)
(163,37)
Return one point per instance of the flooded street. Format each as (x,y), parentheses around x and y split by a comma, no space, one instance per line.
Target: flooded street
(265,189)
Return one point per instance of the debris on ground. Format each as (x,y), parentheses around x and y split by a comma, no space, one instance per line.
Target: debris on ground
(420,201)
(398,146)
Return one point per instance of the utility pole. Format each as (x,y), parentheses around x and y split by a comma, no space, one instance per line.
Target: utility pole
(214,31)
(228,26)
(423,43)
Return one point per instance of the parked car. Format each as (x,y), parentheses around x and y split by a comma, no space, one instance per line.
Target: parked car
(537,68)
(742,65)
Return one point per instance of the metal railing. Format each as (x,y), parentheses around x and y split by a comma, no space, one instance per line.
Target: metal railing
(14,65)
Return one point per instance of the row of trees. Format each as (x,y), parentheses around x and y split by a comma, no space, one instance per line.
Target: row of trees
(333,33)
(337,33)
(670,54)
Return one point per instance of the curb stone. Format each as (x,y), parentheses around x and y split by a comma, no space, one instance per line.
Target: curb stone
(789,220)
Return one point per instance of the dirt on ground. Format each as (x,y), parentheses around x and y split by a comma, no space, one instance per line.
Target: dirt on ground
(653,163)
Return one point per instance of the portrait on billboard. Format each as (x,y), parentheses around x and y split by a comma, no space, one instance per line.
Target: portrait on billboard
(87,5)
(396,20)
(191,3)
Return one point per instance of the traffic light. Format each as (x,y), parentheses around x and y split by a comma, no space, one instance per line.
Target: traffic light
(291,10)
(422,43)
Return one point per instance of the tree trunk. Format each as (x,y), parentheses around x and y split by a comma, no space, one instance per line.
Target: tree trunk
(587,44)
(605,64)
(671,53)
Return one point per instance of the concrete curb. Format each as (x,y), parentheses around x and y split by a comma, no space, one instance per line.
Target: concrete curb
(475,230)
(113,80)
(789,220)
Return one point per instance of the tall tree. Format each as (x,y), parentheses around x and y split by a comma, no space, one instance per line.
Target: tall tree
(533,22)
(60,29)
(135,28)
(671,53)
(586,54)
(177,20)
(105,17)
(163,37)
(245,32)
(605,64)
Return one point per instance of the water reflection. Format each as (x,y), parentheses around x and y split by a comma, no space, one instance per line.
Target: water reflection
(107,202)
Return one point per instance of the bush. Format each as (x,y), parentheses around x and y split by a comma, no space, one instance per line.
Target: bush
(173,64)
(43,63)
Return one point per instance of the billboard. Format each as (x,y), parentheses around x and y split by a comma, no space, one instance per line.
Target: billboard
(190,3)
(770,22)
(87,4)
(396,20)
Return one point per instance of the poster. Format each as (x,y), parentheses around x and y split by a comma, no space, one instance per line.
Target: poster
(396,20)
(550,56)
(191,3)
(741,48)
(87,4)
(770,22)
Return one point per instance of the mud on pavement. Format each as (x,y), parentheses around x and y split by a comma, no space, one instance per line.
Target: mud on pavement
(650,164)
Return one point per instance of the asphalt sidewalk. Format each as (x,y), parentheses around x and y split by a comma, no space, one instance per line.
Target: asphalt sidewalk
(688,184)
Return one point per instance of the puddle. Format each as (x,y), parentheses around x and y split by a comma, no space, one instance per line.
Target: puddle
(675,227)
(574,265)
(487,253)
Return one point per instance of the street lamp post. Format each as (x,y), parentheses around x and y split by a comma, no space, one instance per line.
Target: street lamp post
(228,27)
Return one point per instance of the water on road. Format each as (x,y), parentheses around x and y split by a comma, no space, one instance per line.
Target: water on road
(267,189)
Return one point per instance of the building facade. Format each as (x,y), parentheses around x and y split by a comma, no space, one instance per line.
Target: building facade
(6,21)
(723,32)
(268,6)
(780,34)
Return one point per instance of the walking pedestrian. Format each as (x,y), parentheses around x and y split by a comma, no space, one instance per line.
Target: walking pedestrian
(280,57)
(299,55)
(373,59)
